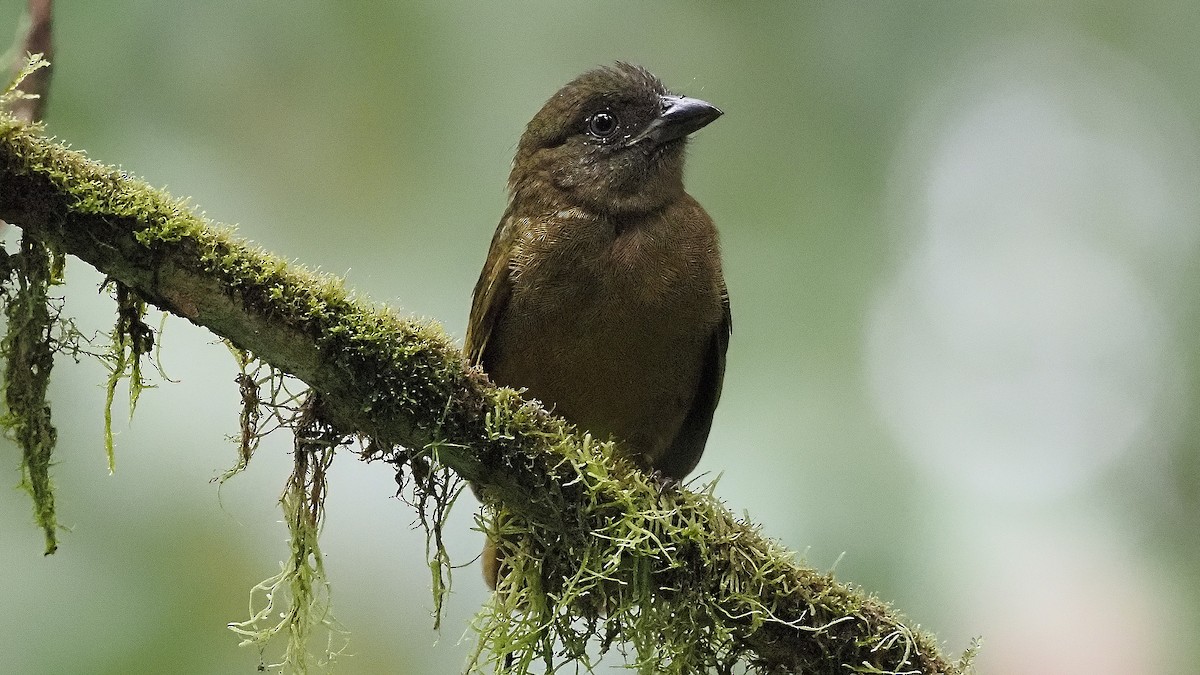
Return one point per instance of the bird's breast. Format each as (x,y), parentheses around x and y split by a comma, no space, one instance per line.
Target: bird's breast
(609,323)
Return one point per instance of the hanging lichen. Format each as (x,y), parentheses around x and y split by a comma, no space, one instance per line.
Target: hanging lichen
(261,414)
(130,340)
(297,600)
(29,354)
(251,411)
(434,490)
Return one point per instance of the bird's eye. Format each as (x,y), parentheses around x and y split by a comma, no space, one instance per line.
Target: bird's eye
(602,125)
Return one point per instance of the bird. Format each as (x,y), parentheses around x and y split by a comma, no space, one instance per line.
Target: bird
(602,294)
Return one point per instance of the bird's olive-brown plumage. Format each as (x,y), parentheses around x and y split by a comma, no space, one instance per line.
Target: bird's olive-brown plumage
(602,292)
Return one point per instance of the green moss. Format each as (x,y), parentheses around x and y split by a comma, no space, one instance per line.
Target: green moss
(12,93)
(668,584)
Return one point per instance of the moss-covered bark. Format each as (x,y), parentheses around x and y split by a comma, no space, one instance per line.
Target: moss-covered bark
(598,551)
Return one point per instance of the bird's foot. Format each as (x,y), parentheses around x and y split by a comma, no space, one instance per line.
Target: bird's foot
(665,483)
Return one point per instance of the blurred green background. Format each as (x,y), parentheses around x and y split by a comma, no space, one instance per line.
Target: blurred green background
(960,240)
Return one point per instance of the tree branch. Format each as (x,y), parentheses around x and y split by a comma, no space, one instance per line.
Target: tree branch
(38,39)
(404,383)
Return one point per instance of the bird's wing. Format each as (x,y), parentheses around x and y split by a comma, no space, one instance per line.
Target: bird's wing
(491,293)
(685,450)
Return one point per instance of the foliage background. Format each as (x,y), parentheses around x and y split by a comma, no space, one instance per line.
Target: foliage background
(960,241)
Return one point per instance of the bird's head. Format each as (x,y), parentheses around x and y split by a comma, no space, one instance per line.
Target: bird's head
(611,140)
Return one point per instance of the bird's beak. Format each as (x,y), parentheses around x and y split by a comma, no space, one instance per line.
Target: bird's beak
(678,117)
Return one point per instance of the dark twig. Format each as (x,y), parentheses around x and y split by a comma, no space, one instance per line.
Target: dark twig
(38,40)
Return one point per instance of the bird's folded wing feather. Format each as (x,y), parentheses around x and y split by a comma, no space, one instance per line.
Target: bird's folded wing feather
(491,293)
(684,453)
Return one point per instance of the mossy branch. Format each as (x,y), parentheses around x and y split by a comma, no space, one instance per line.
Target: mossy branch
(598,551)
